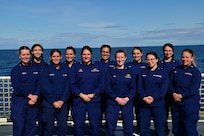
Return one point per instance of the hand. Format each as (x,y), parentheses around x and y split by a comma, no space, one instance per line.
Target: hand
(91,95)
(122,101)
(33,97)
(126,99)
(58,104)
(119,101)
(30,102)
(177,97)
(148,99)
(85,97)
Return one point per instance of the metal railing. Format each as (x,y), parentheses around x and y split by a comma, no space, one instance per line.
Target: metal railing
(5,96)
(6,92)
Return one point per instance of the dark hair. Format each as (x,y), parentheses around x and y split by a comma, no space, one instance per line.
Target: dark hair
(152,53)
(23,48)
(53,51)
(121,51)
(35,45)
(136,48)
(192,54)
(86,47)
(105,46)
(71,48)
(32,48)
(169,45)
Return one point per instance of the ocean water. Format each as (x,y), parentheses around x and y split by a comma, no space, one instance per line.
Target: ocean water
(9,58)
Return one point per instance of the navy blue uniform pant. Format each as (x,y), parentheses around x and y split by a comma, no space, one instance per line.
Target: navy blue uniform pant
(184,119)
(136,105)
(168,104)
(24,119)
(79,110)
(112,114)
(158,114)
(48,117)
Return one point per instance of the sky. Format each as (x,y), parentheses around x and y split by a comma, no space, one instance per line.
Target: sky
(119,23)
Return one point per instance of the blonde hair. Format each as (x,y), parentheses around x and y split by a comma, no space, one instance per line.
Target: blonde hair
(192,54)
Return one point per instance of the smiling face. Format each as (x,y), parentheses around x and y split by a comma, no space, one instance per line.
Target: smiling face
(24,56)
(86,56)
(70,55)
(137,55)
(120,58)
(152,61)
(186,59)
(105,53)
(37,51)
(168,52)
(56,58)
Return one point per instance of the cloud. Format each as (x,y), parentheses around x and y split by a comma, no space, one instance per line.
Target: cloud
(147,38)
(172,32)
(170,23)
(202,23)
(9,43)
(100,25)
(177,36)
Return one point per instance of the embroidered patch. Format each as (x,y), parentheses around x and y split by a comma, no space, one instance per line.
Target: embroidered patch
(142,67)
(35,72)
(111,66)
(127,76)
(24,73)
(144,75)
(187,73)
(80,70)
(51,74)
(65,75)
(160,76)
(94,70)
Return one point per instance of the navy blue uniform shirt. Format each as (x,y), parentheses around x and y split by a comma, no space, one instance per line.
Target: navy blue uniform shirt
(140,65)
(168,66)
(55,85)
(136,67)
(25,80)
(87,79)
(186,82)
(120,83)
(153,83)
(106,65)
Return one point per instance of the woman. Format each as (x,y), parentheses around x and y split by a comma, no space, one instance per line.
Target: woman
(106,63)
(26,85)
(168,63)
(120,91)
(137,54)
(152,86)
(86,84)
(105,60)
(56,92)
(38,64)
(70,54)
(185,80)
(137,65)
(37,57)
